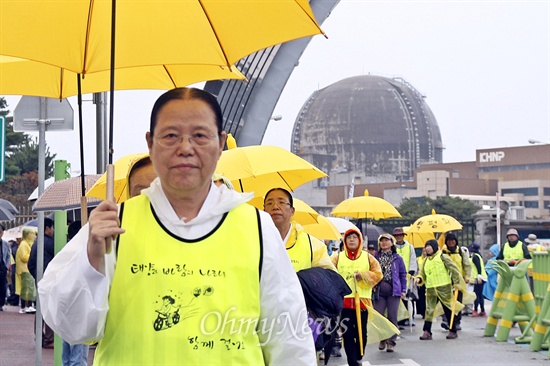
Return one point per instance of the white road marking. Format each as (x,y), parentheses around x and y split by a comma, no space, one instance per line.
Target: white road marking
(406,361)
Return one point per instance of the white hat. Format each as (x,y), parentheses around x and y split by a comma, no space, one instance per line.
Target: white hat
(512,232)
(531,239)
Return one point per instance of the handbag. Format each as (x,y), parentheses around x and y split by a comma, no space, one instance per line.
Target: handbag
(412,291)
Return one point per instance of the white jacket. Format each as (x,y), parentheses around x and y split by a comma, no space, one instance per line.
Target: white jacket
(74,295)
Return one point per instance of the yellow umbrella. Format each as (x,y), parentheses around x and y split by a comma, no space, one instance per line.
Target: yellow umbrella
(23,77)
(366,207)
(324,229)
(73,35)
(435,223)
(76,34)
(122,168)
(259,168)
(304,214)
(417,239)
(453,308)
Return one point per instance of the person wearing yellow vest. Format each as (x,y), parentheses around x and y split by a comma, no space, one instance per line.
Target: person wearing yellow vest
(479,277)
(304,250)
(393,286)
(514,249)
(533,244)
(440,275)
(193,275)
(362,272)
(462,261)
(406,251)
(421,301)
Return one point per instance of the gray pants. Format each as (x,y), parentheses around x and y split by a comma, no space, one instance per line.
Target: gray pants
(389,304)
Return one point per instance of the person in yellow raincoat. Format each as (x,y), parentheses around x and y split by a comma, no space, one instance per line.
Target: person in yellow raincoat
(24,282)
(462,261)
(362,272)
(440,275)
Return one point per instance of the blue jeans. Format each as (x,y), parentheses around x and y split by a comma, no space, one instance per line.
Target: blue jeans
(75,355)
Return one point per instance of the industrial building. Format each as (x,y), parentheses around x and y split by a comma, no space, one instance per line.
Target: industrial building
(376,133)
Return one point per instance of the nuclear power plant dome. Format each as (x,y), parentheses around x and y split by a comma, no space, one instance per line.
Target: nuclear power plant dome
(374,128)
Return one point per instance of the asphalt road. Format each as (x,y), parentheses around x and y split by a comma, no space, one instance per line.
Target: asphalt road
(470,349)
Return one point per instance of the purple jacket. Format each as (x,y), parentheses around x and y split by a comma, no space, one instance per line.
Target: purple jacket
(398,274)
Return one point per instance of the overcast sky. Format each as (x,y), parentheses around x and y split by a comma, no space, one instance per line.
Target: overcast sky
(483,66)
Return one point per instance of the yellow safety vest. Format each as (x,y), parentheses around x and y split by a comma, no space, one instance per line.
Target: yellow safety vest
(457,259)
(515,253)
(435,271)
(347,268)
(175,301)
(405,253)
(474,268)
(298,248)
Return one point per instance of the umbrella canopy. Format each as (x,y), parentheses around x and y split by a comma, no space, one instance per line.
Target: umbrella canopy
(34,195)
(23,77)
(8,206)
(304,214)
(13,233)
(366,207)
(5,214)
(342,225)
(324,229)
(259,168)
(33,223)
(72,35)
(418,240)
(435,223)
(122,166)
(372,233)
(65,194)
(75,35)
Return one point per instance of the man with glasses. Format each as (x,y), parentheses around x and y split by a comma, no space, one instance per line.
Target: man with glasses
(303,250)
(219,262)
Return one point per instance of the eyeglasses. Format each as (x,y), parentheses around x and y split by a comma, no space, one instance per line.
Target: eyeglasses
(269,205)
(173,139)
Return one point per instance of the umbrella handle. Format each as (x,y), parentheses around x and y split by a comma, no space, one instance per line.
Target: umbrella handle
(83,210)
(110,189)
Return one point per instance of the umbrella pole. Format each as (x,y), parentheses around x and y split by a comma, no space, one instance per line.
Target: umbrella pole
(110,169)
(81,134)
(453,309)
(358,316)
(83,203)
(411,311)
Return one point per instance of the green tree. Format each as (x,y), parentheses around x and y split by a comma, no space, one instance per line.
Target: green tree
(461,209)
(17,189)
(22,149)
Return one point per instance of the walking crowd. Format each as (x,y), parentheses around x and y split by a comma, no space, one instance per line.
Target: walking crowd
(151,278)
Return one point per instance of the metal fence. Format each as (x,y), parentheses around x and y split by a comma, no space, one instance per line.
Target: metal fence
(25,214)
